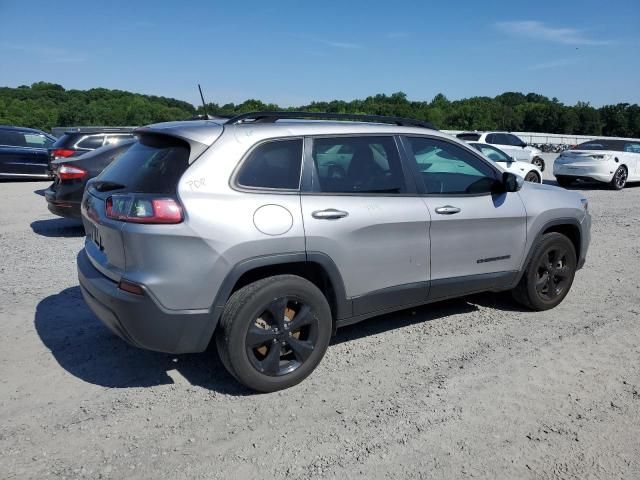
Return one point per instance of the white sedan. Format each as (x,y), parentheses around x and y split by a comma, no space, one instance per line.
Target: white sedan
(610,161)
(526,170)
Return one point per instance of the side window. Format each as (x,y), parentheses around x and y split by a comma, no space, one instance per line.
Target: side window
(12,138)
(446,168)
(491,138)
(501,139)
(632,147)
(358,165)
(513,140)
(274,164)
(91,142)
(35,140)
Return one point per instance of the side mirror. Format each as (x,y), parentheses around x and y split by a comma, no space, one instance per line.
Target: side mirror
(523,145)
(511,182)
(511,159)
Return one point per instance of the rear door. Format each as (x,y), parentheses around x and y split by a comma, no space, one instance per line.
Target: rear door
(477,236)
(360,208)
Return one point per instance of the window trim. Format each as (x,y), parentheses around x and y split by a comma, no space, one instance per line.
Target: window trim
(412,164)
(310,183)
(233,179)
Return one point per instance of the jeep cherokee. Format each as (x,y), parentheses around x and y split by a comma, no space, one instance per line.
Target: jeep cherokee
(269,230)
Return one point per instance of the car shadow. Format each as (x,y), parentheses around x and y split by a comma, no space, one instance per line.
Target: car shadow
(40,192)
(84,347)
(585,185)
(426,313)
(58,227)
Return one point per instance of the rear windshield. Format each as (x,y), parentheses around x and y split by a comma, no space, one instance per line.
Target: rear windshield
(614,145)
(469,137)
(152,165)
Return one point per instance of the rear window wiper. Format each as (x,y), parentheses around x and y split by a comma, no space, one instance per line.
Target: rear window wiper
(106,186)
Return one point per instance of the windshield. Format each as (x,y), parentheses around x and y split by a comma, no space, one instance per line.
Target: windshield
(491,152)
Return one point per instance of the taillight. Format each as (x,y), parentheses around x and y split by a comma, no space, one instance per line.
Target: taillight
(62,153)
(143,209)
(67,172)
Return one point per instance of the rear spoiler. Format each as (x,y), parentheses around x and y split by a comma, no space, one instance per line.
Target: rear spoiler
(198,135)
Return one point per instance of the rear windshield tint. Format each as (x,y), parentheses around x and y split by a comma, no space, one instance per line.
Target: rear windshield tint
(152,165)
(469,137)
(615,145)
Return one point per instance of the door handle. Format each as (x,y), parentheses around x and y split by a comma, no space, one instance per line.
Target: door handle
(447,210)
(329,214)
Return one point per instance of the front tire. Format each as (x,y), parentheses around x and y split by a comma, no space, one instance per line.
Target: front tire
(533,177)
(619,179)
(549,273)
(274,332)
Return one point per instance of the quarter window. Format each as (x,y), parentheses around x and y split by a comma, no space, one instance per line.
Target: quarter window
(358,165)
(274,164)
(91,142)
(446,168)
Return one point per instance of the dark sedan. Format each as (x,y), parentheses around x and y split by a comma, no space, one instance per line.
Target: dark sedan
(23,153)
(72,174)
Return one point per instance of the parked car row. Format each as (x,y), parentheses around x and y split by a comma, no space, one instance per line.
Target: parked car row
(511,144)
(288,229)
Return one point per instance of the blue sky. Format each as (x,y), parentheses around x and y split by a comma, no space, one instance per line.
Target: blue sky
(291,52)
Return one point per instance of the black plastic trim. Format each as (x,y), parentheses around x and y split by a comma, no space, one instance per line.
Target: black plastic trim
(554,223)
(343,305)
(390,297)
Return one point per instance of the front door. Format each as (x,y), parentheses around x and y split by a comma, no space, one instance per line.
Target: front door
(359,212)
(477,237)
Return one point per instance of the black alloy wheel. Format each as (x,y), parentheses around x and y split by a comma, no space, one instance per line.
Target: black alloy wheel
(554,273)
(282,337)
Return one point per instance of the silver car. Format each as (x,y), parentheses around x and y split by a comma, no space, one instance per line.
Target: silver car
(268,232)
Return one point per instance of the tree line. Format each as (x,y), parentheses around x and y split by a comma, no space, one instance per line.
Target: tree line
(45,105)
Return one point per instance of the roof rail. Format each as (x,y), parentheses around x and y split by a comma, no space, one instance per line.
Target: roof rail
(271,117)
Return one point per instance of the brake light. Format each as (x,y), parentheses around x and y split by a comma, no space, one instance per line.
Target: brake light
(62,152)
(67,172)
(137,209)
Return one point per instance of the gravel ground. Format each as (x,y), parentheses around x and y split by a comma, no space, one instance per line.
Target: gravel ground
(467,388)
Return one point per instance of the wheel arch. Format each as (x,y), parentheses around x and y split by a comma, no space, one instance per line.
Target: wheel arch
(569,227)
(316,267)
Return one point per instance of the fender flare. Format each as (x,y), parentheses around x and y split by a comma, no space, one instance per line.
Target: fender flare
(342,303)
(551,223)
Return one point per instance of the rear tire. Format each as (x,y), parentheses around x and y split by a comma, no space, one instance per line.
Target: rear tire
(564,181)
(538,162)
(549,274)
(274,332)
(619,179)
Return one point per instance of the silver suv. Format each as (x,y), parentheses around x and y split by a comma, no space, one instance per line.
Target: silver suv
(268,232)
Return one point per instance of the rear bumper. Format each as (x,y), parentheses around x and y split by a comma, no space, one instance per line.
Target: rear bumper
(61,205)
(601,172)
(139,320)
